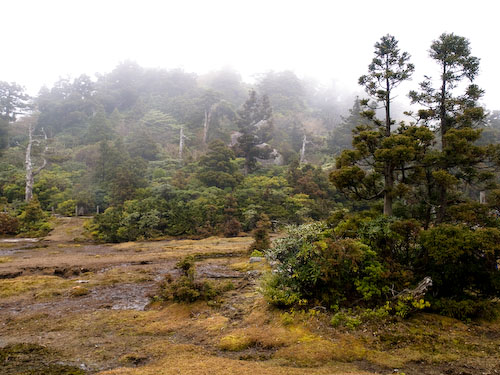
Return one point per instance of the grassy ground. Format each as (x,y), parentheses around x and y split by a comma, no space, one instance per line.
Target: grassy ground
(79,308)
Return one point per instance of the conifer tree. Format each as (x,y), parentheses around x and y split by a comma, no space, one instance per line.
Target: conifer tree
(453,115)
(377,152)
(255,125)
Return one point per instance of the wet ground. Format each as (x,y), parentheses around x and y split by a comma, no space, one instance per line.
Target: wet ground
(72,307)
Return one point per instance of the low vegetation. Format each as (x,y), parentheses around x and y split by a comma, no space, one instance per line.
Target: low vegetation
(374,248)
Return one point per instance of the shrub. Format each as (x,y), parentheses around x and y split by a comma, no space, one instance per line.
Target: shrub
(105,226)
(8,224)
(407,305)
(261,234)
(466,309)
(462,262)
(33,220)
(309,266)
(186,288)
(232,227)
(66,208)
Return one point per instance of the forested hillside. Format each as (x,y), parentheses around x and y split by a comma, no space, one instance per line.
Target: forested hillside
(165,151)
(368,207)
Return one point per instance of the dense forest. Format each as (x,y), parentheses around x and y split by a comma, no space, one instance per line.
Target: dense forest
(371,210)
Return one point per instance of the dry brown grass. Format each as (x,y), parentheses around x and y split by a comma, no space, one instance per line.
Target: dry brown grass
(203,338)
(37,286)
(190,360)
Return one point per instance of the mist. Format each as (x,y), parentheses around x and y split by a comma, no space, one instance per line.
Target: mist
(328,42)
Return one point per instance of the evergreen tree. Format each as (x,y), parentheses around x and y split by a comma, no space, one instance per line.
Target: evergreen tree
(99,128)
(377,151)
(217,168)
(340,138)
(453,116)
(255,125)
(13,100)
(4,135)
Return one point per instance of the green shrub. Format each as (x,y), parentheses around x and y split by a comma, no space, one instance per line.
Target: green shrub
(33,221)
(261,234)
(66,208)
(466,309)
(310,266)
(186,288)
(407,305)
(462,262)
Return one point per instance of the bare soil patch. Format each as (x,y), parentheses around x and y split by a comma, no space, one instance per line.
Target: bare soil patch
(85,308)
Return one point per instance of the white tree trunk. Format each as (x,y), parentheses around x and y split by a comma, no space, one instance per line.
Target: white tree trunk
(206,122)
(30,173)
(181,142)
(303,150)
(482,197)
(28,195)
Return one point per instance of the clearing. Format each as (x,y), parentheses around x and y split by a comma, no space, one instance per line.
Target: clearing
(71,307)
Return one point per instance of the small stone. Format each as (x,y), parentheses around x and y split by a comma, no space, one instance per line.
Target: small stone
(256,259)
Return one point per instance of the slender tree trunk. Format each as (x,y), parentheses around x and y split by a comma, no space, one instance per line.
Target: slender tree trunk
(443,193)
(388,168)
(206,124)
(207,120)
(28,195)
(442,109)
(181,142)
(303,150)
(30,173)
(389,186)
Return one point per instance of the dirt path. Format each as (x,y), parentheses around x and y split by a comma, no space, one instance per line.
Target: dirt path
(67,229)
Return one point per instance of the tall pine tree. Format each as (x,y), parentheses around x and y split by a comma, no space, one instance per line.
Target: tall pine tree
(255,125)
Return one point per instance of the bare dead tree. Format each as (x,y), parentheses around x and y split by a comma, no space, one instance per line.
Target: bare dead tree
(30,171)
(182,138)
(303,150)
(206,122)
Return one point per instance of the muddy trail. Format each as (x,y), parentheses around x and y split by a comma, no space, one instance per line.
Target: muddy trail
(72,307)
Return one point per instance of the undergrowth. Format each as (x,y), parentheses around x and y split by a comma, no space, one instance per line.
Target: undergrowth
(187,288)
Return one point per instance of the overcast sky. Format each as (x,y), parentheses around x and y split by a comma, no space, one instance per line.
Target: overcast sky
(328,40)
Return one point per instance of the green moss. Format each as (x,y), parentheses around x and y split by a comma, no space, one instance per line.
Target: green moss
(234,343)
(32,359)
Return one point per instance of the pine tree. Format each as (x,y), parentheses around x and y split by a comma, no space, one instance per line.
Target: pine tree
(454,116)
(376,153)
(255,125)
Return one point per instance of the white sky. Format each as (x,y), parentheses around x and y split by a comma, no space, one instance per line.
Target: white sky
(330,40)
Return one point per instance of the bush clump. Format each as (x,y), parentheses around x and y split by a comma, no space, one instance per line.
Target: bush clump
(466,309)
(261,240)
(309,266)
(186,288)
(33,220)
(8,224)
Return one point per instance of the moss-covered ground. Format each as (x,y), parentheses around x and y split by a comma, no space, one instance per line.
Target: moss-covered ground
(73,307)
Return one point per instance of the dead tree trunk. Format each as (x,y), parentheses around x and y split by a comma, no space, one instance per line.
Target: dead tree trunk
(303,150)
(182,137)
(206,122)
(30,173)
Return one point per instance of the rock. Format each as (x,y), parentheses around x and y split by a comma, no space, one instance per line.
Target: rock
(256,259)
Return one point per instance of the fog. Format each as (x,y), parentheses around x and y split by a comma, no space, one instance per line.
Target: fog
(323,40)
